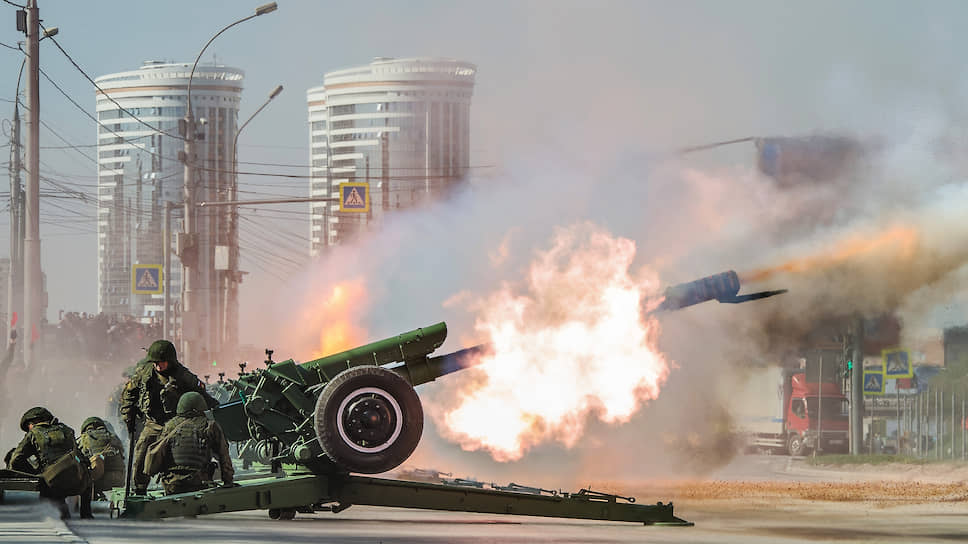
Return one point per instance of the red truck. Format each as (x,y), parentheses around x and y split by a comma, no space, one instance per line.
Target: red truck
(791,415)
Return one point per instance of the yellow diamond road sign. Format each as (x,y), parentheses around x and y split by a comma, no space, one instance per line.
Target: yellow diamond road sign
(354,197)
(146,279)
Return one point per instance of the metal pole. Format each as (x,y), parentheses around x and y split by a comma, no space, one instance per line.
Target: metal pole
(870,449)
(952,423)
(917,421)
(267,201)
(166,251)
(819,407)
(188,246)
(962,429)
(920,416)
(33,275)
(937,423)
(231,319)
(188,243)
(897,406)
(857,389)
(385,171)
(15,278)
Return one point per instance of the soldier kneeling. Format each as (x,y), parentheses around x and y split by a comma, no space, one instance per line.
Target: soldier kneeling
(106,454)
(192,441)
(59,464)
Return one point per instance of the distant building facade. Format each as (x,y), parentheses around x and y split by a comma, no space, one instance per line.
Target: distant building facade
(139,173)
(400,125)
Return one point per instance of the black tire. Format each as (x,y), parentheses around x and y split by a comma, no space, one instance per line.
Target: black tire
(795,445)
(391,430)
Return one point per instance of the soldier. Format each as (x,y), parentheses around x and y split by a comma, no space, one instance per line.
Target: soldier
(106,453)
(57,461)
(194,440)
(152,395)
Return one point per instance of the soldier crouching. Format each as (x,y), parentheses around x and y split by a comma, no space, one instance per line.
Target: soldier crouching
(59,464)
(106,454)
(193,441)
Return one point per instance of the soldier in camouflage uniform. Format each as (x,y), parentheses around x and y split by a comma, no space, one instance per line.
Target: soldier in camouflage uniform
(194,441)
(152,395)
(48,442)
(105,450)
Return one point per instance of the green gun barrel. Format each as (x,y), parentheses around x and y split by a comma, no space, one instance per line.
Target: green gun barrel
(410,347)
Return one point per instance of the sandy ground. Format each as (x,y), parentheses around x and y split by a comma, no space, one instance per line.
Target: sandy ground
(877,485)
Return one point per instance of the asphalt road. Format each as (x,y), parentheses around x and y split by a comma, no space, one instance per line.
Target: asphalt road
(751,519)
(716,522)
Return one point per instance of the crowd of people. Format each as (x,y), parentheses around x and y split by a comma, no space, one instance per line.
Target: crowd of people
(99,337)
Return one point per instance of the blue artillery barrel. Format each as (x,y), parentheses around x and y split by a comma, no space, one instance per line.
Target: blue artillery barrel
(724,285)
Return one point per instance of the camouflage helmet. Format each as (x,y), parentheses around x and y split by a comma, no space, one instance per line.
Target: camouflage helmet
(161,350)
(191,404)
(92,421)
(35,415)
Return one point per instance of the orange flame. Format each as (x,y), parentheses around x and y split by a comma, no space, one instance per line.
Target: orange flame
(333,316)
(898,242)
(576,345)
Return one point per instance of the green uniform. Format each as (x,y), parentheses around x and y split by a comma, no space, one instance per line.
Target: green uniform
(194,441)
(97,440)
(153,396)
(48,441)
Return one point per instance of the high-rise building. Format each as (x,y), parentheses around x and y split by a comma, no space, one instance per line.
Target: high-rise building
(400,125)
(140,175)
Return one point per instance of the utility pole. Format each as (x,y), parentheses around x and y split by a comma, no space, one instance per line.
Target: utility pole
(857,389)
(385,171)
(15,281)
(33,279)
(166,251)
(188,242)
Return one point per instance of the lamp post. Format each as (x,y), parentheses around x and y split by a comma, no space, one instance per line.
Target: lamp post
(188,242)
(231,320)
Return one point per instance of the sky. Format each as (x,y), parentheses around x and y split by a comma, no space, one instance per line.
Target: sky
(575,107)
(647,75)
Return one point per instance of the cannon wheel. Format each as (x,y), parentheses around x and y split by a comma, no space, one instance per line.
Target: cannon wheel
(368,419)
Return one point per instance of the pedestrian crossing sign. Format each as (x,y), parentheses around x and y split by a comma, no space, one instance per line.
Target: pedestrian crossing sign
(897,363)
(354,197)
(146,279)
(873,382)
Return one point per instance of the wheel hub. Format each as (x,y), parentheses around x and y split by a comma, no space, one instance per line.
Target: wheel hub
(369,420)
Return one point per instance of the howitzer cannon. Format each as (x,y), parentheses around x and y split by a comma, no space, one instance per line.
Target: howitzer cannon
(357,411)
(354,411)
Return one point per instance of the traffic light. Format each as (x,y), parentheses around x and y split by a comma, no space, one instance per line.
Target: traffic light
(850,367)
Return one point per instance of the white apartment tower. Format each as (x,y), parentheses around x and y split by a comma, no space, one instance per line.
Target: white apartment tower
(400,125)
(139,173)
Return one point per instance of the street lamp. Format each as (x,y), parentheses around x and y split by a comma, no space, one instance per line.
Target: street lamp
(188,245)
(231,321)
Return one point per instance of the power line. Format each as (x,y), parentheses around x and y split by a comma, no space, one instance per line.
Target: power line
(106,95)
(95,119)
(69,145)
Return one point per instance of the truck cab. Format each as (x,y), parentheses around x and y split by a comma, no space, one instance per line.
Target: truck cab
(815,415)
